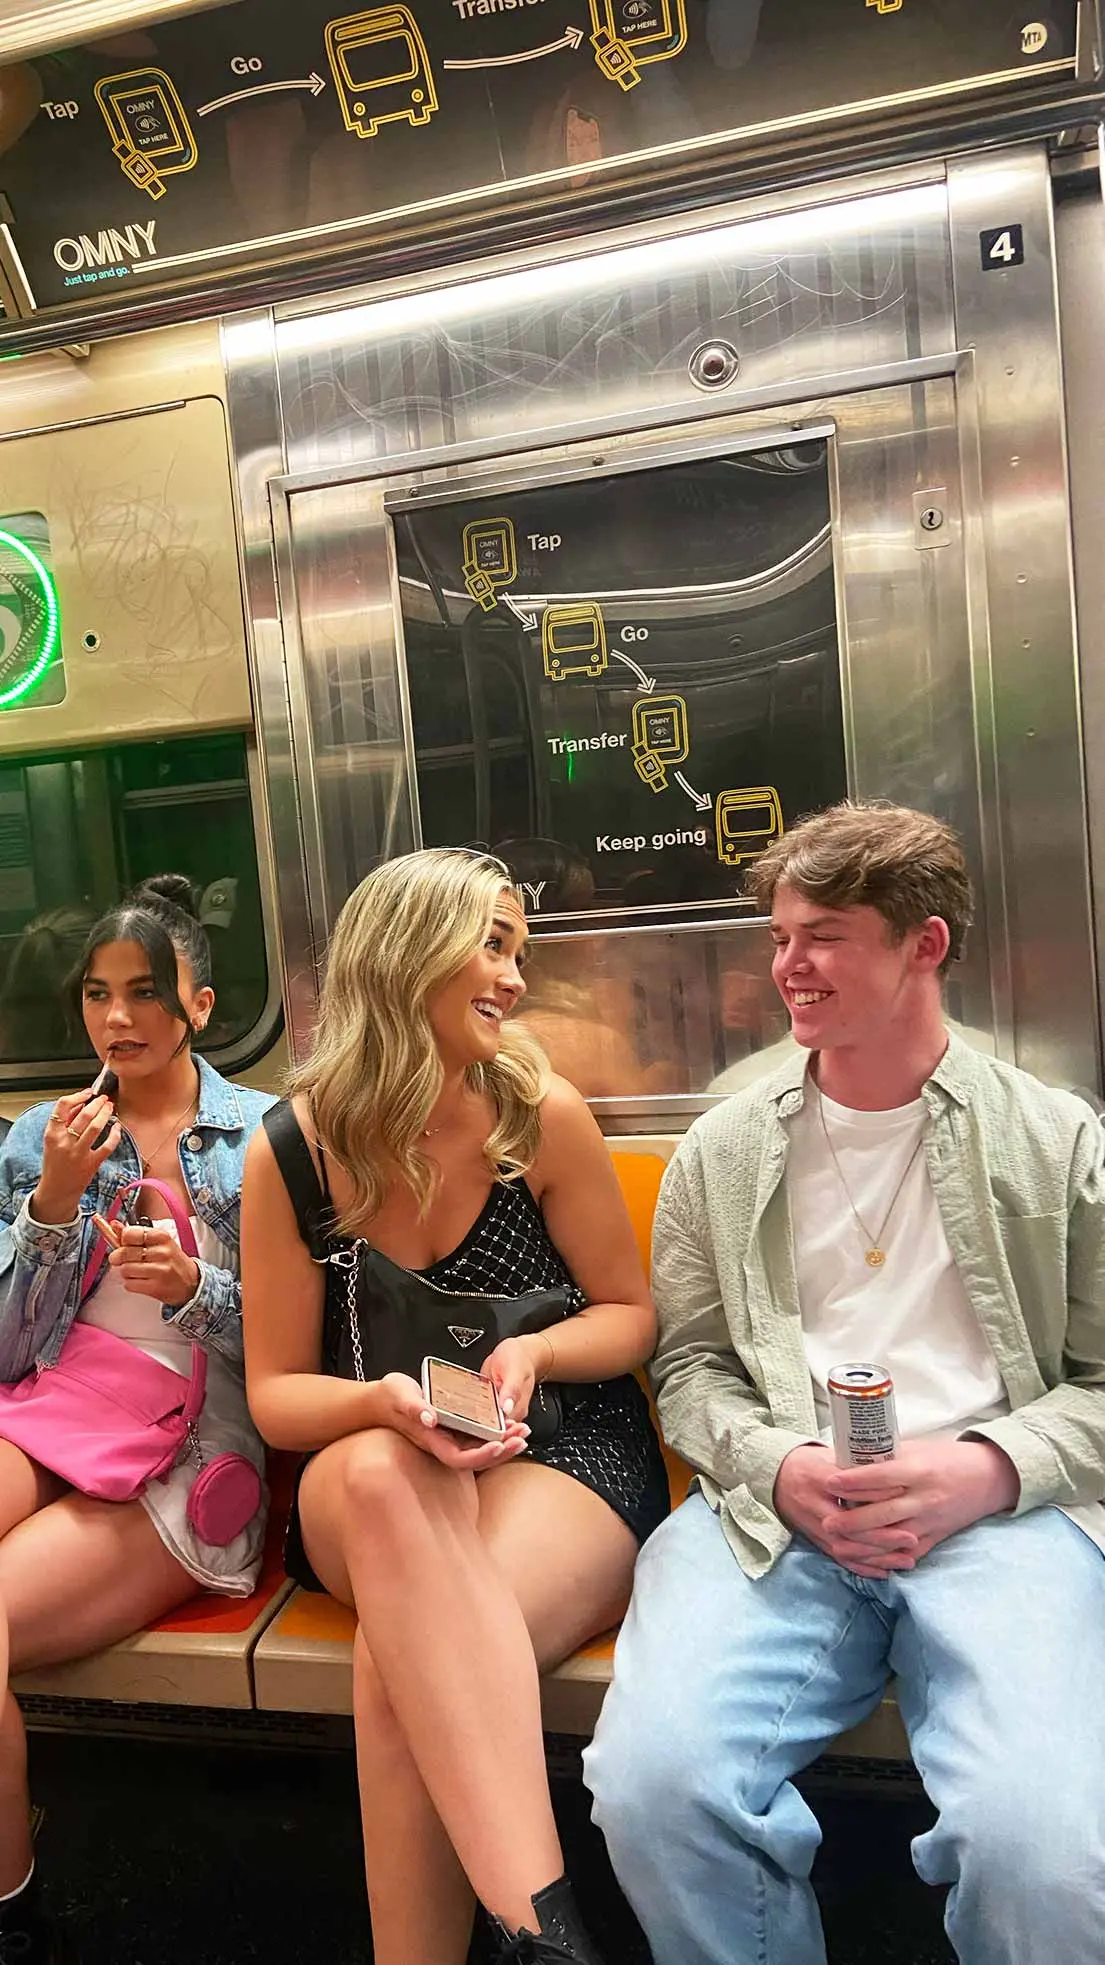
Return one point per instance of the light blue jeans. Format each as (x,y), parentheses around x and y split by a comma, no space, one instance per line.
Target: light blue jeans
(725,1688)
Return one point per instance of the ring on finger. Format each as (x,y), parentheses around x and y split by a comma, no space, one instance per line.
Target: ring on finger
(74,1131)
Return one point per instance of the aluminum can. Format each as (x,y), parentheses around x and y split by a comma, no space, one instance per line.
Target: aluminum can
(861,1406)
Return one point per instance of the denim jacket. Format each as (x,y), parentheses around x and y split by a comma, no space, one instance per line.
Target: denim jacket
(41,1267)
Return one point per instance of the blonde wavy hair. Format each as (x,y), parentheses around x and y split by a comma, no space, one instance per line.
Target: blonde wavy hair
(374,1070)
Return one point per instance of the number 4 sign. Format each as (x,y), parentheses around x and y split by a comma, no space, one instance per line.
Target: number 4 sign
(1002,245)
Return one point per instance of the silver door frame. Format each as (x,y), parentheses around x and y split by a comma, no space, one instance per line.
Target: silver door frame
(1032,836)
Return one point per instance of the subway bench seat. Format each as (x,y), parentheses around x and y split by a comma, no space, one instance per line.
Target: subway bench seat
(201,1654)
(304,1663)
(304,1658)
(289,1650)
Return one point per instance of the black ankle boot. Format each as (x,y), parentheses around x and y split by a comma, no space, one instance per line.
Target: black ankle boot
(26,1937)
(559,1936)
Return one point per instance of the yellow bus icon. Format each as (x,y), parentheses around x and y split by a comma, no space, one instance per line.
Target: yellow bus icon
(629,34)
(746,820)
(150,133)
(573,640)
(381,69)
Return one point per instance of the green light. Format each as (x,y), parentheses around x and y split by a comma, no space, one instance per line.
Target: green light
(50,636)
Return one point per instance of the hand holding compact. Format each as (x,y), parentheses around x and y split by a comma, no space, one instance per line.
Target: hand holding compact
(401,1405)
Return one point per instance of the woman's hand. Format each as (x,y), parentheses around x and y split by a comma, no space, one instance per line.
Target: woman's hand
(69,1158)
(512,1368)
(399,1403)
(151,1262)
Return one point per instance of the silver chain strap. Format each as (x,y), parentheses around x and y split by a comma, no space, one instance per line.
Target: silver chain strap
(347,1259)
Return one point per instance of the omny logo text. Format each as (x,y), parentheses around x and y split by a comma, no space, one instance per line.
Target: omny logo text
(109,254)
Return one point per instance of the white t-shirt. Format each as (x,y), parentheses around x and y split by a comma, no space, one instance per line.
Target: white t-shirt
(913,1314)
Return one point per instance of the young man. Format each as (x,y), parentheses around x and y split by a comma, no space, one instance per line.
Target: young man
(891,1196)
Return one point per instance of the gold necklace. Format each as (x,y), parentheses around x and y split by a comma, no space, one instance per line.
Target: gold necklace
(874,1254)
(148,1159)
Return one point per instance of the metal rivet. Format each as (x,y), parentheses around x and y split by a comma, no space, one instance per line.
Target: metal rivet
(193,1142)
(714,365)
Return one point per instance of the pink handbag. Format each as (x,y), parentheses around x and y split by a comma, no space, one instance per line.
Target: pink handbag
(108,1418)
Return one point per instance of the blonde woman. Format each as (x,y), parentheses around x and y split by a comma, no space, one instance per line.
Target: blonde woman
(428,1127)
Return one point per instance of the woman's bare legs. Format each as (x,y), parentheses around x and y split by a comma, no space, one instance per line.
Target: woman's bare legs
(75,1575)
(422,1902)
(25,1488)
(550,1554)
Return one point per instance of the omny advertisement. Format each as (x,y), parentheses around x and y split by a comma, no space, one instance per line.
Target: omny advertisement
(628,684)
(161,151)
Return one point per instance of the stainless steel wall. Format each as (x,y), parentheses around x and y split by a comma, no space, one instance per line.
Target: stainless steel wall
(875,312)
(1080,237)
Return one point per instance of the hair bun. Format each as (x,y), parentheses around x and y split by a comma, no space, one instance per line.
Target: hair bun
(174,888)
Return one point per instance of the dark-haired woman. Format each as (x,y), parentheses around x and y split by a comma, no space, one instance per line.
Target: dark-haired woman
(76,1573)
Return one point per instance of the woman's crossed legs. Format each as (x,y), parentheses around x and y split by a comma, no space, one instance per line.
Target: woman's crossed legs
(464,1588)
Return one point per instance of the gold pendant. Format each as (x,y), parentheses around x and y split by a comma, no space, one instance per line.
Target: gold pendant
(874,1258)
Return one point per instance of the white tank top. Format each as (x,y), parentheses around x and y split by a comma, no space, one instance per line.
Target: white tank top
(114,1308)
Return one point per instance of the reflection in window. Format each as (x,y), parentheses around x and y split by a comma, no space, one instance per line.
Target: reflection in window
(77,833)
(641,669)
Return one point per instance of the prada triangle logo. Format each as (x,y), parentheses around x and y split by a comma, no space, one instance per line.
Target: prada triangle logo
(464,1335)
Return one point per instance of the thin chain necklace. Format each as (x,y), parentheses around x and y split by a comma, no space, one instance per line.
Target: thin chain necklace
(874,1254)
(148,1159)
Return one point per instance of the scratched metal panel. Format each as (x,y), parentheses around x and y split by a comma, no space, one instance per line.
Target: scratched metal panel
(142,535)
(844,313)
(853,284)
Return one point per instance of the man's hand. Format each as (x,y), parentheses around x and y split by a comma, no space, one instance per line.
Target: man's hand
(806,1498)
(931,1488)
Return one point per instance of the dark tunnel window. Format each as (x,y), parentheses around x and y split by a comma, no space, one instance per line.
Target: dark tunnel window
(77,832)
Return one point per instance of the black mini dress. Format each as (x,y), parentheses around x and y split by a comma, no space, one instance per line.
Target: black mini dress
(606,1439)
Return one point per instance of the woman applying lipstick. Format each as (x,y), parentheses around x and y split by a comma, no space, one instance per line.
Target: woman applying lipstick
(78,1573)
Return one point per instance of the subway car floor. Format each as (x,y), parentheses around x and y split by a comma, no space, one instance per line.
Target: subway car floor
(154,1853)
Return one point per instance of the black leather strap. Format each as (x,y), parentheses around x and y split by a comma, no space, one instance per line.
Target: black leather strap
(314,1212)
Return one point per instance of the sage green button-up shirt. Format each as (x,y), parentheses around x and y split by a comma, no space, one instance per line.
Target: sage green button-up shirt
(1018,1172)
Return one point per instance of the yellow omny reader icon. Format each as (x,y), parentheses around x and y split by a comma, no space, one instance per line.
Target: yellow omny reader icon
(381,69)
(660,725)
(490,559)
(628,34)
(746,821)
(150,132)
(573,640)
(659,737)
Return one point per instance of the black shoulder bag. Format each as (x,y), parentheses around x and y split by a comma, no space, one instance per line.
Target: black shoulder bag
(382,1317)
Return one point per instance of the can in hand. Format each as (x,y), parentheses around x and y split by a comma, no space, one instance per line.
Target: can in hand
(861,1406)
